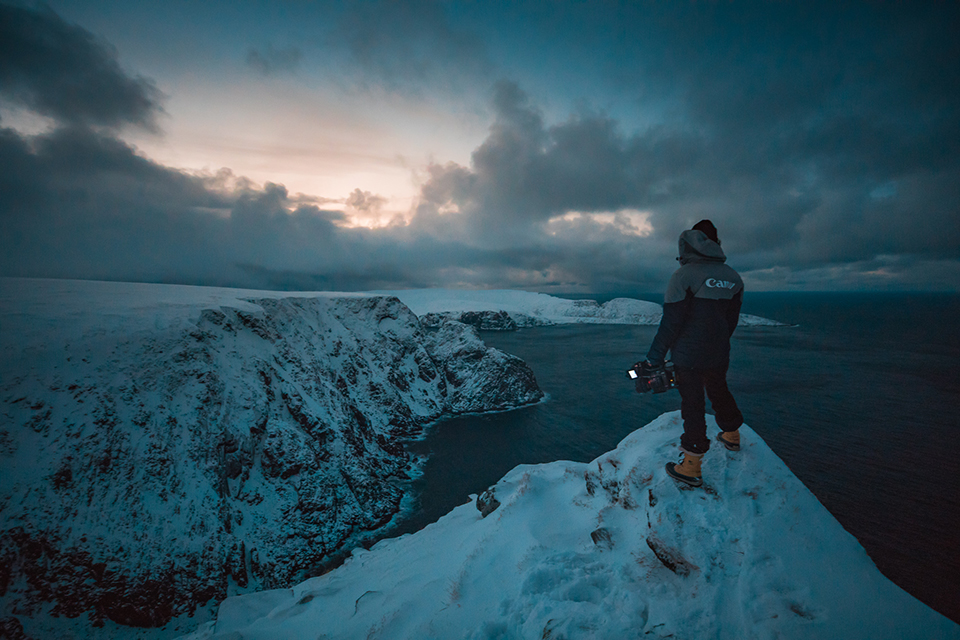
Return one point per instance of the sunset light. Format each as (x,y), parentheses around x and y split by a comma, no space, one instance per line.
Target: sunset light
(438,138)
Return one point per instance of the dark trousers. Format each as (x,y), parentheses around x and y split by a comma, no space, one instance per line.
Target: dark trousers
(692,383)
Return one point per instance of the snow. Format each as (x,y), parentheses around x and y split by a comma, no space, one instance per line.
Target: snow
(529,309)
(36,308)
(164,446)
(32,305)
(609,549)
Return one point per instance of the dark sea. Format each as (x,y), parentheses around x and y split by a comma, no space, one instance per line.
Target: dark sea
(861,399)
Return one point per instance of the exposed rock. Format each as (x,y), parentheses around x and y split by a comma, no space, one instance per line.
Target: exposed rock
(483,320)
(487,503)
(670,558)
(11,629)
(489,320)
(496,321)
(478,377)
(602,538)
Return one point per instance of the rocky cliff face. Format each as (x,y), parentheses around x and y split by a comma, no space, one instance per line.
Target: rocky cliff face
(478,378)
(148,473)
(484,320)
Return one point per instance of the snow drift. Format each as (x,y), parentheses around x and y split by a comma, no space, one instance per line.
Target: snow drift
(611,549)
(163,446)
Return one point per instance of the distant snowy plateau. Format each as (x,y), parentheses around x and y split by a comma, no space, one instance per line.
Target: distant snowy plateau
(165,447)
(507,310)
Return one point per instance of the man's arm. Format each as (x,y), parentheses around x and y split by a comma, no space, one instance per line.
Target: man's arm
(674,317)
(733,311)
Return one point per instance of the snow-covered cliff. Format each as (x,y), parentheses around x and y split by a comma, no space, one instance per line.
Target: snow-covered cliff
(163,446)
(506,310)
(611,549)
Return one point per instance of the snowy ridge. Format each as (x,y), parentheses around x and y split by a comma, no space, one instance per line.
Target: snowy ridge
(611,549)
(526,309)
(164,446)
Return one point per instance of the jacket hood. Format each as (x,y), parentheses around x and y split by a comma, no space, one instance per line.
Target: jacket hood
(695,246)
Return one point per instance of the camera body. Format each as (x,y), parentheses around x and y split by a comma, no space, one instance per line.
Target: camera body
(656,381)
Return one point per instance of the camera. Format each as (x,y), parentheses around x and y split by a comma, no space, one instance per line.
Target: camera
(657,380)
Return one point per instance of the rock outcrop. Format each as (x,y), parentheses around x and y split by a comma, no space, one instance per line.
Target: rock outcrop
(484,320)
(479,378)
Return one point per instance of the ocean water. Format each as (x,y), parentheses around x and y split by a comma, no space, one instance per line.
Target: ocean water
(861,399)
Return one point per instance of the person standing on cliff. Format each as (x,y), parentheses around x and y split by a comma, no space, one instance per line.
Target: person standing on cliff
(700,312)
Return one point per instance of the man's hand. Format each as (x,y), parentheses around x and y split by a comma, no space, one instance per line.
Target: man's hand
(648,367)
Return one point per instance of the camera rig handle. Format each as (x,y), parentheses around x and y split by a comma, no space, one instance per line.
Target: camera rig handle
(656,380)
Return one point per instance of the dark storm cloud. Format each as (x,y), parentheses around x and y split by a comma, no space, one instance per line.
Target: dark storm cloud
(78,204)
(812,136)
(526,173)
(825,144)
(272,61)
(64,72)
(808,112)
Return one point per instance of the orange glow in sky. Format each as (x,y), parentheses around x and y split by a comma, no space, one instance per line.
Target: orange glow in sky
(311,142)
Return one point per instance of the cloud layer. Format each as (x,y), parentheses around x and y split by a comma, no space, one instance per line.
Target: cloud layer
(64,72)
(825,146)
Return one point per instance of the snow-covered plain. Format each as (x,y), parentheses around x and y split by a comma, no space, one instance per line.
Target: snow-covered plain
(526,308)
(610,549)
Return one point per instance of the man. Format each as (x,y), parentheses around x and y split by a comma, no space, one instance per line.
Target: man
(700,311)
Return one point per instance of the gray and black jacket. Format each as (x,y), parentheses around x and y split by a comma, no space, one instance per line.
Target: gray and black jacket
(701,307)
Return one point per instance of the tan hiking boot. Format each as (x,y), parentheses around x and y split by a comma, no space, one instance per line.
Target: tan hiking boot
(687,471)
(730,439)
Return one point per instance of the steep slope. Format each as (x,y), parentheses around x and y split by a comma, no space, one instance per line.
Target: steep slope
(611,549)
(164,446)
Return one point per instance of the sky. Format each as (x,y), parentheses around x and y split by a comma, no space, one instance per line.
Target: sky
(548,146)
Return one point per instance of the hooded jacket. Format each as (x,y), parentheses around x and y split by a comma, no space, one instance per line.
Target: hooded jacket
(701,307)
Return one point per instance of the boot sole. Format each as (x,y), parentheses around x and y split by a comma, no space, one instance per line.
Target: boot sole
(690,480)
(732,446)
